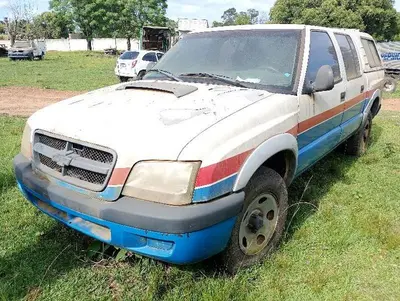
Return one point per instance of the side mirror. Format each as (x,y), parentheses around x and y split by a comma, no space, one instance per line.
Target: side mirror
(324,81)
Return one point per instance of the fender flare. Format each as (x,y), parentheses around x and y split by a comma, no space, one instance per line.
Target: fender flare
(262,153)
(368,106)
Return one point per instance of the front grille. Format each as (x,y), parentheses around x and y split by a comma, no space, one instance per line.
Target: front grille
(78,163)
(50,163)
(52,142)
(86,175)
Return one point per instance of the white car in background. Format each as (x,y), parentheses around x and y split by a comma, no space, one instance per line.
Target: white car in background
(133,64)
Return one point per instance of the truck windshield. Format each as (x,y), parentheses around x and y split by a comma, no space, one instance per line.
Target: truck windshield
(263,57)
(22,44)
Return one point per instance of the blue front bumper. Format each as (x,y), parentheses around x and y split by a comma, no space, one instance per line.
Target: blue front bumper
(175,234)
(174,248)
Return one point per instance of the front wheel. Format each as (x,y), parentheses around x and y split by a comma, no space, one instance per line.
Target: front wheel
(259,227)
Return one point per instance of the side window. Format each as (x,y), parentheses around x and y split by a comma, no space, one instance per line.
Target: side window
(150,57)
(350,56)
(322,52)
(372,53)
(159,55)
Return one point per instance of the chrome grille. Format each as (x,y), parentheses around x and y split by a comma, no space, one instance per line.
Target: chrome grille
(78,163)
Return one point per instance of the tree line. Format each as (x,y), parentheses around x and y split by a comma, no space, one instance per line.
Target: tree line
(91,18)
(376,17)
(125,18)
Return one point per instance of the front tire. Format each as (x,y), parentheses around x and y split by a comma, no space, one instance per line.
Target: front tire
(357,144)
(260,225)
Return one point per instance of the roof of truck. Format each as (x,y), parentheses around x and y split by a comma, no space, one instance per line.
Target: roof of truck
(271,26)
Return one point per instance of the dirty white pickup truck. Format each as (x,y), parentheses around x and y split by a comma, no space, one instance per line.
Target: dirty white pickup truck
(195,159)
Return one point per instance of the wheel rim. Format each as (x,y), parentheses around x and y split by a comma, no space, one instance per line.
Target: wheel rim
(258,224)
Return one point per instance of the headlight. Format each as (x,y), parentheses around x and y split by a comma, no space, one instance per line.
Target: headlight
(167,182)
(26,144)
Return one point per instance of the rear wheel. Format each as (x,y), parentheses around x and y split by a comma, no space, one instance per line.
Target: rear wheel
(357,144)
(259,227)
(390,84)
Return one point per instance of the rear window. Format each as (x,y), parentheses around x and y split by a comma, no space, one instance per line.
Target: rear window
(129,55)
(372,53)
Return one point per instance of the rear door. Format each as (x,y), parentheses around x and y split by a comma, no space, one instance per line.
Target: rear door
(356,85)
(321,113)
(147,58)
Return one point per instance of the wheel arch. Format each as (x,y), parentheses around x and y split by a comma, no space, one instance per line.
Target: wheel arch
(373,104)
(279,153)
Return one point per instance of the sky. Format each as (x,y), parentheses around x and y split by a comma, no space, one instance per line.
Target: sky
(201,9)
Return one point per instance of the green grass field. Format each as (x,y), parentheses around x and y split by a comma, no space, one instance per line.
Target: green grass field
(74,71)
(342,239)
(343,242)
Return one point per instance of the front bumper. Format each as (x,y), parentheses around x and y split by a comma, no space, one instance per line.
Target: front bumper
(180,235)
(20,55)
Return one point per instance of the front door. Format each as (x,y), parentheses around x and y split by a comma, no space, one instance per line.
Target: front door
(320,113)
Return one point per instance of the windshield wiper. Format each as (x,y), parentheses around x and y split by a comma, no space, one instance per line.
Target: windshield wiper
(221,78)
(167,74)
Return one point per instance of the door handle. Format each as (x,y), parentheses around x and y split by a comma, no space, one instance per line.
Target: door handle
(362,89)
(342,96)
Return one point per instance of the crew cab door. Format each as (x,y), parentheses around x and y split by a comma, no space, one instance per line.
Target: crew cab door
(321,113)
(356,85)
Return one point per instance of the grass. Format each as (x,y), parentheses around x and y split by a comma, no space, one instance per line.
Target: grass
(73,71)
(343,242)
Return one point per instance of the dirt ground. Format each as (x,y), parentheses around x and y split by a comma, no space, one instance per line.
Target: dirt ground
(22,101)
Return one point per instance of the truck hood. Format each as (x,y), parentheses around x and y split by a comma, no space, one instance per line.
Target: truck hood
(144,124)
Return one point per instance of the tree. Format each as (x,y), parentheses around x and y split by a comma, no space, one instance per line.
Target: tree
(21,14)
(52,25)
(377,17)
(126,17)
(229,17)
(2,28)
(88,15)
(232,17)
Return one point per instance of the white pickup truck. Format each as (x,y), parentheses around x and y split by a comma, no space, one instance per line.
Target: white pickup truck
(195,159)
